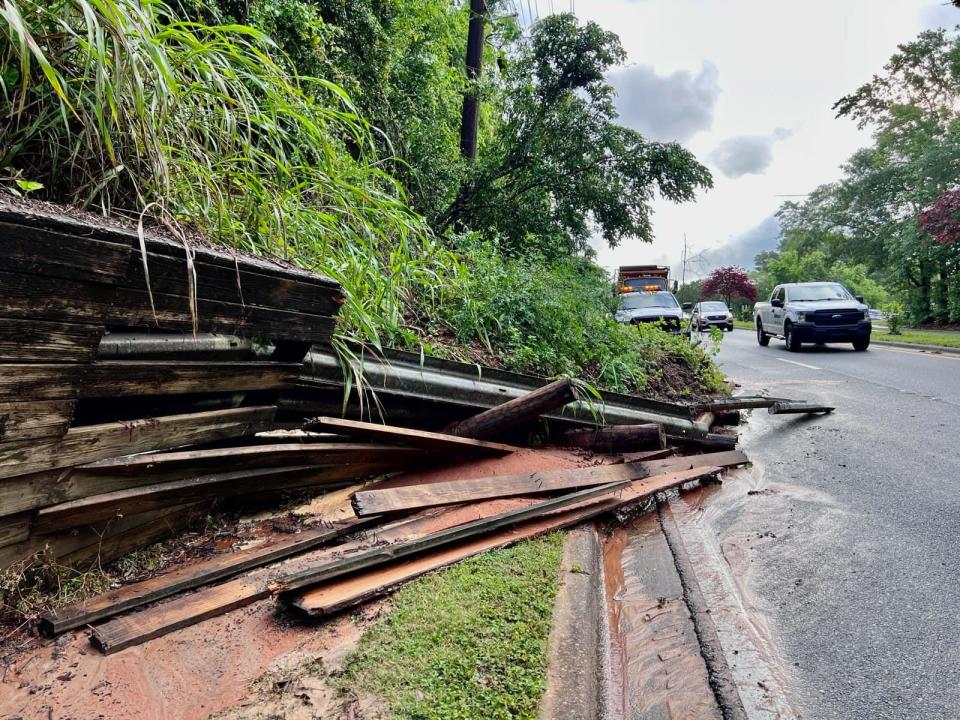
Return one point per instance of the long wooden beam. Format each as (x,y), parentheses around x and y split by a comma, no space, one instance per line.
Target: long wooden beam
(419,496)
(618,438)
(128,631)
(217,568)
(406,436)
(379,556)
(525,408)
(120,378)
(343,592)
(95,442)
(224,484)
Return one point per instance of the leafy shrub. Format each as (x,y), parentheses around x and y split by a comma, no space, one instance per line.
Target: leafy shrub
(894,313)
(556,317)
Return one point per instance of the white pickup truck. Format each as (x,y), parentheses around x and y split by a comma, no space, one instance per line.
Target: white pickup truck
(819,312)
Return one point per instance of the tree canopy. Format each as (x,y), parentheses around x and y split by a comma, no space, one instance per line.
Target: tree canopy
(862,230)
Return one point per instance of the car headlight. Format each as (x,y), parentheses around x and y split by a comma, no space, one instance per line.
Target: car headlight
(802,317)
(866,314)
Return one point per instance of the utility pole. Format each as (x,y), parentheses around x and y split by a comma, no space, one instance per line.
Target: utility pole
(471,103)
(683,267)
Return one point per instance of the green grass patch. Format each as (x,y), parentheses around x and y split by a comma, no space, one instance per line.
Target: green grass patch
(920,337)
(744,324)
(468,643)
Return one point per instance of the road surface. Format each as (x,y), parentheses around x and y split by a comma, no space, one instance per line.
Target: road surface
(848,549)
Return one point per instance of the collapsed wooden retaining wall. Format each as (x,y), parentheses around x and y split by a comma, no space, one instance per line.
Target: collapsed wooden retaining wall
(68,286)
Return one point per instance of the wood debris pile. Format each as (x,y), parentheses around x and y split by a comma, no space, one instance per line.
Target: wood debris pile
(129,406)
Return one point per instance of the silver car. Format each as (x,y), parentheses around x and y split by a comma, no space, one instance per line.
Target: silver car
(711,314)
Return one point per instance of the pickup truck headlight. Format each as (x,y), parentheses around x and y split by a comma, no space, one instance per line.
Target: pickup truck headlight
(866,314)
(802,317)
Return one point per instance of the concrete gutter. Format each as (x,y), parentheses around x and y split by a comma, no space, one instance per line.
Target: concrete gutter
(575,666)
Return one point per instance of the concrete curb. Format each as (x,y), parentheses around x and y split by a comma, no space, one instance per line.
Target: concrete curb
(917,346)
(575,666)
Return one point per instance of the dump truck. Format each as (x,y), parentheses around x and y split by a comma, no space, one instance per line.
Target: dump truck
(644,278)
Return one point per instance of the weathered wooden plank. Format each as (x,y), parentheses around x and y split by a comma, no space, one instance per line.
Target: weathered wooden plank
(238,285)
(618,438)
(258,456)
(343,593)
(526,408)
(192,576)
(95,442)
(172,312)
(109,230)
(35,340)
(706,441)
(41,251)
(119,378)
(51,487)
(104,506)
(406,436)
(28,419)
(378,555)
(340,593)
(57,299)
(729,458)
(418,496)
(15,528)
(130,630)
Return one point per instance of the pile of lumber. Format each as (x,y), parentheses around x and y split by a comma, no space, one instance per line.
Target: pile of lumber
(404,525)
(145,381)
(88,311)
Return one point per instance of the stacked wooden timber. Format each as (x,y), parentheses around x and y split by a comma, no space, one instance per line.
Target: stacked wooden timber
(73,417)
(402,526)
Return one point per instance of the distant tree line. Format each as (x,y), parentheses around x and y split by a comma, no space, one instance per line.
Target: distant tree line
(863,230)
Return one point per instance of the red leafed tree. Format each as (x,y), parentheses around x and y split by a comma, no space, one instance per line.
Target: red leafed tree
(729,282)
(942,219)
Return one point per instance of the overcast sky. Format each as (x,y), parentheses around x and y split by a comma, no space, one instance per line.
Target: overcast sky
(747,85)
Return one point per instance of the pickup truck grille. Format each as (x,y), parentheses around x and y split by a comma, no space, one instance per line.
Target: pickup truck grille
(670,323)
(837,317)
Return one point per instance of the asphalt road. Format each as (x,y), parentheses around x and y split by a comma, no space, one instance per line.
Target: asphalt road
(855,563)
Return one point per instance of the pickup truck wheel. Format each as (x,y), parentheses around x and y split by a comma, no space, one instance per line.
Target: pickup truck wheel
(861,345)
(762,338)
(791,338)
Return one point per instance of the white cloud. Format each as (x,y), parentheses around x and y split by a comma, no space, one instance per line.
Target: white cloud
(746,154)
(666,107)
(940,14)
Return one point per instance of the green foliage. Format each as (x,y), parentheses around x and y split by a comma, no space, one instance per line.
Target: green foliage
(894,313)
(467,643)
(864,226)
(198,120)
(401,61)
(555,316)
(119,103)
(559,167)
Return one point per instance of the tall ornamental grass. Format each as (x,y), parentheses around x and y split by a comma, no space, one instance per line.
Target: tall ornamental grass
(125,106)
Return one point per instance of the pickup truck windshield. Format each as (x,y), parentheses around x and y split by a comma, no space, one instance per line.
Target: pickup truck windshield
(713,307)
(648,300)
(815,293)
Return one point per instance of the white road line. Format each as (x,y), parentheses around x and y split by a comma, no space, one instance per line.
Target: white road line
(794,362)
